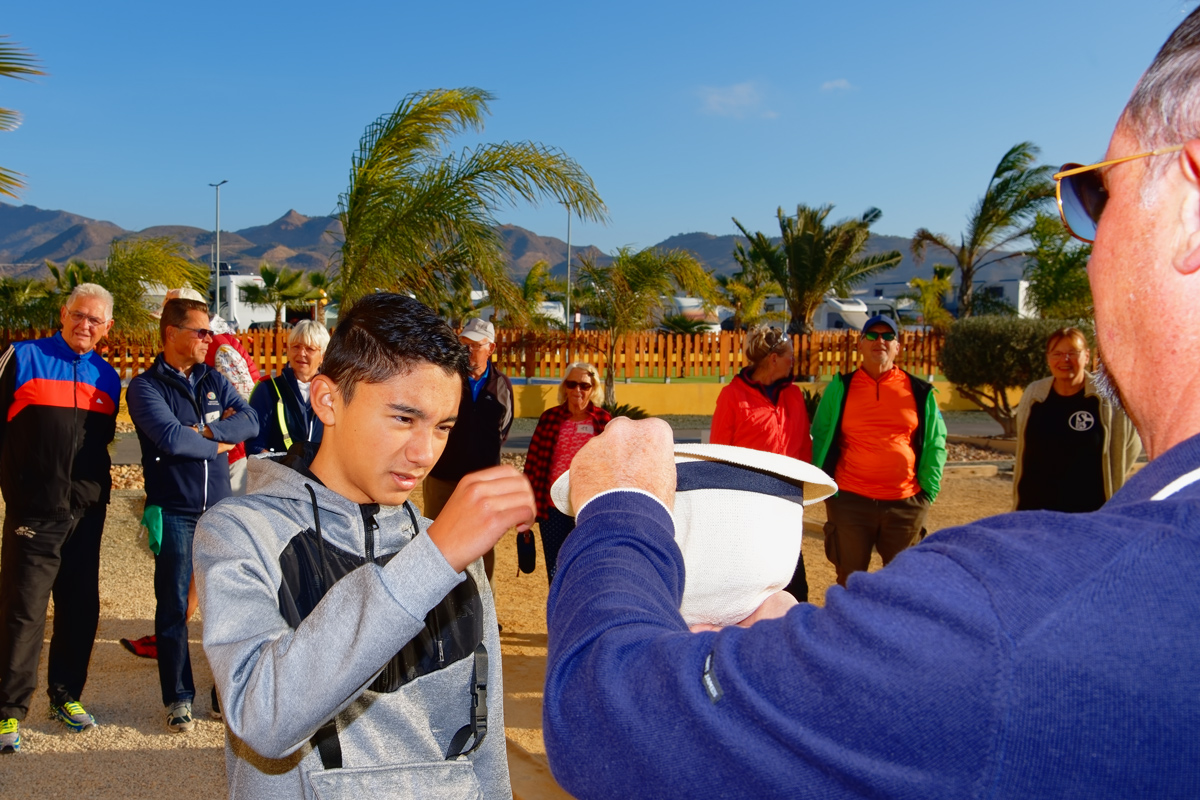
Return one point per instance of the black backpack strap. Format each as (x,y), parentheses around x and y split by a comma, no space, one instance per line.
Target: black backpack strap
(325,741)
(477,727)
(327,744)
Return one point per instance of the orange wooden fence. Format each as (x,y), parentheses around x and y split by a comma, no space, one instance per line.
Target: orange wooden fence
(658,355)
(532,354)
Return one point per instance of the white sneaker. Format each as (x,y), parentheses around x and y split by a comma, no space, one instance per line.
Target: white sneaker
(179,717)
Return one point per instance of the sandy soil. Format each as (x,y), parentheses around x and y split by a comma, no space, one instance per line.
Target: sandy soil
(132,755)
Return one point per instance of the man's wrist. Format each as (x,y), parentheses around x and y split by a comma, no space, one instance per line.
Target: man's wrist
(597,496)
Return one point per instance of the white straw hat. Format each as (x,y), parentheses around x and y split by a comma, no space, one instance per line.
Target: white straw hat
(739,520)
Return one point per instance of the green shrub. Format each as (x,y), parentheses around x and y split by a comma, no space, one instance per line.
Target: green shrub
(984,357)
(626,410)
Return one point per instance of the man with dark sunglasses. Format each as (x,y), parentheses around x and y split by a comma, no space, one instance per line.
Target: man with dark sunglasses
(187,416)
(879,433)
(1036,654)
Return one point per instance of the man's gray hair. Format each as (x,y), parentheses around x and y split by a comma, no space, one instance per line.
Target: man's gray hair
(1165,106)
(95,291)
(310,334)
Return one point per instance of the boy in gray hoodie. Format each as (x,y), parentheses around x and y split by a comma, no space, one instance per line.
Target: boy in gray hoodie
(354,643)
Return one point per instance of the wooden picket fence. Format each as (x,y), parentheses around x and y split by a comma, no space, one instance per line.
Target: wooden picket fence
(533,354)
(649,354)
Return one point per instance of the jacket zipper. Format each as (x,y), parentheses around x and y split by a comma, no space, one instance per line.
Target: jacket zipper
(191,395)
(75,432)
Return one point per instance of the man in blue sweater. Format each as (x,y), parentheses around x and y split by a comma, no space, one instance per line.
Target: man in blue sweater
(1035,654)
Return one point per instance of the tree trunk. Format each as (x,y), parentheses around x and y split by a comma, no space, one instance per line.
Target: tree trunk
(966,291)
(610,391)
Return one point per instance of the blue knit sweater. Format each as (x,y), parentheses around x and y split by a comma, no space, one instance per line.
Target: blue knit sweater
(1030,655)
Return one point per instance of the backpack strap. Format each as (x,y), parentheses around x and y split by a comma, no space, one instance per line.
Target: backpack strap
(477,727)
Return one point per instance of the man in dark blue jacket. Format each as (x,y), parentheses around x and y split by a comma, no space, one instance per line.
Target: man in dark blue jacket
(58,410)
(1031,655)
(186,415)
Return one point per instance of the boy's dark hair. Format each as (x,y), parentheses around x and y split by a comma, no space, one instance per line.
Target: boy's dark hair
(384,335)
(175,312)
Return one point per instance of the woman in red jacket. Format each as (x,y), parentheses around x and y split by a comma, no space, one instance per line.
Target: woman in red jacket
(762,409)
(561,432)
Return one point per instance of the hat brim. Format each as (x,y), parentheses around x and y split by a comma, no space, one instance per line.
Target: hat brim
(817,484)
(475,336)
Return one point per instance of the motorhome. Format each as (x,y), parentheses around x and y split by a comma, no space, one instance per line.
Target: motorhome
(841,313)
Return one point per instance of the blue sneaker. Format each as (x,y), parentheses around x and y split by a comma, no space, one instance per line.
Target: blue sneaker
(72,715)
(10,736)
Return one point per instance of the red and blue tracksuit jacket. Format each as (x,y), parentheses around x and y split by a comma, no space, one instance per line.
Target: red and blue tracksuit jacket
(58,414)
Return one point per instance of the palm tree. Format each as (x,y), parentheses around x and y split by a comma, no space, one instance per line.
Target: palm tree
(322,293)
(413,214)
(282,288)
(1005,214)
(74,273)
(815,258)
(133,267)
(15,62)
(929,293)
(1057,271)
(748,301)
(747,290)
(625,296)
(537,288)
(27,303)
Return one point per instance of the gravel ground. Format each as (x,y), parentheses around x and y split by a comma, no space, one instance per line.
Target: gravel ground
(132,755)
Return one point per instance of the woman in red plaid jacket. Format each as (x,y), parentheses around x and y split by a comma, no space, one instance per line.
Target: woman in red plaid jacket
(561,432)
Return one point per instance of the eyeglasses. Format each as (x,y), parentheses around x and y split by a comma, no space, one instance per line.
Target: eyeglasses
(1082,196)
(871,336)
(78,317)
(1072,355)
(201,333)
(577,385)
(475,347)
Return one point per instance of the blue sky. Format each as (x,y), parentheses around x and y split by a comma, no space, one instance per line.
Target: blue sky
(684,114)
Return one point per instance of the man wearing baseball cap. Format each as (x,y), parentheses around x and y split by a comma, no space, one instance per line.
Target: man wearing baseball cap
(485,414)
(879,433)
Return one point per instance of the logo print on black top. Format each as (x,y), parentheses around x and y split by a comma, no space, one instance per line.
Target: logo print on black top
(1081,421)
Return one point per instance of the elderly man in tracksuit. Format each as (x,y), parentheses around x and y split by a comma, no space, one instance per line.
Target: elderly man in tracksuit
(58,407)
(879,433)
(187,417)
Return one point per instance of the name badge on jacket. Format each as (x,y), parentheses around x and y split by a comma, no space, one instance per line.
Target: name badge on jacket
(585,428)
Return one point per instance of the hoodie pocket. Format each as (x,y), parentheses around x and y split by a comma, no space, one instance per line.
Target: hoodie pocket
(447,780)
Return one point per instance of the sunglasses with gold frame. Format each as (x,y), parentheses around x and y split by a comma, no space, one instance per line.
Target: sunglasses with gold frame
(1081,194)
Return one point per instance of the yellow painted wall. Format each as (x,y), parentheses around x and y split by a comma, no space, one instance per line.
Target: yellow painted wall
(699,398)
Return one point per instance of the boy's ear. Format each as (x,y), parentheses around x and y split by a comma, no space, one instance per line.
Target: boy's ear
(322,398)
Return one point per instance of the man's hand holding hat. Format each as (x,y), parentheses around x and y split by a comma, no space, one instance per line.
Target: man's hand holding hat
(628,455)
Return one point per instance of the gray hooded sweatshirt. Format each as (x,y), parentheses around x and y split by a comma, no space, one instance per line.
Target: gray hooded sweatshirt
(279,684)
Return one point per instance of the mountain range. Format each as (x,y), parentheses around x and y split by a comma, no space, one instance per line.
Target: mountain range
(31,236)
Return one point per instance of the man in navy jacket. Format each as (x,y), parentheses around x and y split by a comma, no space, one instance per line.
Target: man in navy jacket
(187,417)
(58,410)
(1031,655)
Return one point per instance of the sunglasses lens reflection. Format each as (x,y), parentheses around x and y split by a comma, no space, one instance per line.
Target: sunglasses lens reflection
(1082,197)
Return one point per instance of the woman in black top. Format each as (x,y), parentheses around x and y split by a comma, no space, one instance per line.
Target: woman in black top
(1074,448)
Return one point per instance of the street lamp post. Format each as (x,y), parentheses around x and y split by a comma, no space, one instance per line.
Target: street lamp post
(567,318)
(217,260)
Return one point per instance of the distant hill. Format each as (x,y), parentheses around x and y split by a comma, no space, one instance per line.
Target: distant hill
(29,236)
(526,248)
(24,228)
